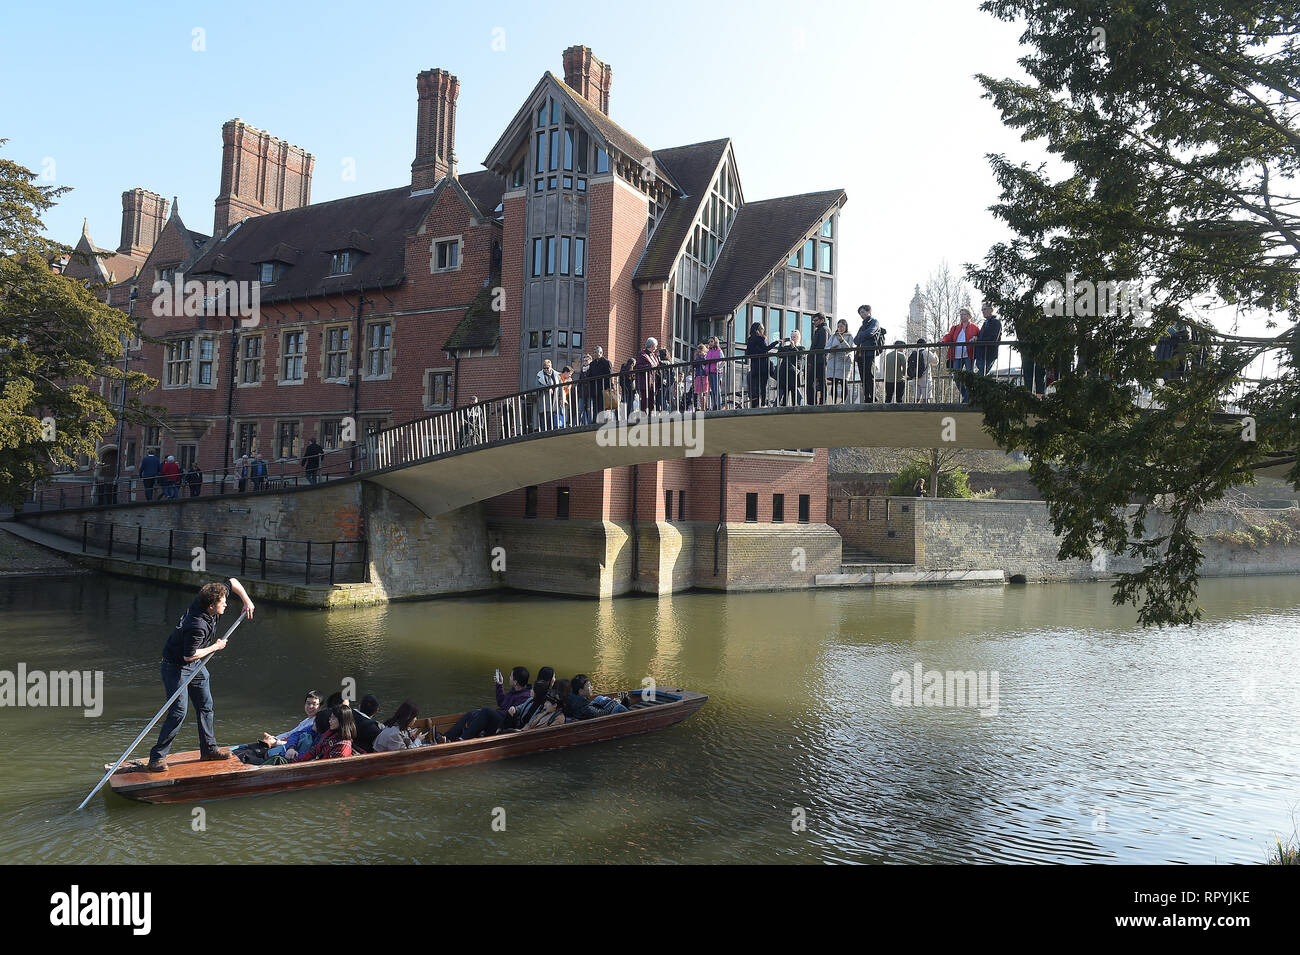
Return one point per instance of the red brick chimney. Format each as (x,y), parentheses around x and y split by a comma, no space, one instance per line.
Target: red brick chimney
(435,129)
(589,77)
(143,215)
(259,174)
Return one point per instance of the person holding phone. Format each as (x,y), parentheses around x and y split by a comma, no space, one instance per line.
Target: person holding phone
(486,721)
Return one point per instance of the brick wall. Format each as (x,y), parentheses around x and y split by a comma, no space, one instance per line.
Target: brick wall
(884,528)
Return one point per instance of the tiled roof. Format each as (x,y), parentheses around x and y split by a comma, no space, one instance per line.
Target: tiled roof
(481,325)
(384,219)
(614,134)
(486,189)
(693,168)
(763,235)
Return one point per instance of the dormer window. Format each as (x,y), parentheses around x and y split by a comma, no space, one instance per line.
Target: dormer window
(341,263)
(269,272)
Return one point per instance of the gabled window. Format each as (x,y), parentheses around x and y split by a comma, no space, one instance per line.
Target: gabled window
(341,263)
(268,272)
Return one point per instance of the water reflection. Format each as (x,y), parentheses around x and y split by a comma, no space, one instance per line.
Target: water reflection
(1110,743)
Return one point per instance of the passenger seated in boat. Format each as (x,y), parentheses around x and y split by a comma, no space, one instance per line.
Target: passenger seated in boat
(294,738)
(397,732)
(551,712)
(517,717)
(585,704)
(486,721)
(336,741)
(368,728)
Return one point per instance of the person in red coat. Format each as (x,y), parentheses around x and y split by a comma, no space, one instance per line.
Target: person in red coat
(961,355)
(171,477)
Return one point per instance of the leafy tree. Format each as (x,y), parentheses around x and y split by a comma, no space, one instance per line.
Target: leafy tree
(55,339)
(950,482)
(1172,127)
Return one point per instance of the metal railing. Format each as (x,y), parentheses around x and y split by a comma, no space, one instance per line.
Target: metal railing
(781,376)
(272,476)
(271,558)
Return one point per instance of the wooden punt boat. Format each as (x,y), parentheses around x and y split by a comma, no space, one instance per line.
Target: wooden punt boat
(189,779)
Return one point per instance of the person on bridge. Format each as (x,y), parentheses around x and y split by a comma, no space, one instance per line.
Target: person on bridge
(986,353)
(839,364)
(869,337)
(550,399)
(817,361)
(960,355)
(895,372)
(601,386)
(194,638)
(171,477)
(311,458)
(790,358)
(150,468)
(757,348)
(714,355)
(194,479)
(647,365)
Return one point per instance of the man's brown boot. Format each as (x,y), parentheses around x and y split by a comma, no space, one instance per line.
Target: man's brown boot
(219,753)
(158,765)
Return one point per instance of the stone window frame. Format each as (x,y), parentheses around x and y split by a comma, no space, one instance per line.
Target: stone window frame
(254,447)
(214,361)
(427,398)
(459,240)
(326,352)
(279,441)
(184,364)
(391,349)
(260,359)
(281,366)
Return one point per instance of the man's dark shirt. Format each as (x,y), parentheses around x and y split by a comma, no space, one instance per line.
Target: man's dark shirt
(196,631)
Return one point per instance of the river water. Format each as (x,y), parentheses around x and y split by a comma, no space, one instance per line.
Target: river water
(1105,742)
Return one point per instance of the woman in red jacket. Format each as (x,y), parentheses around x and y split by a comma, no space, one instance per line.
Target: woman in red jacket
(336,742)
(961,353)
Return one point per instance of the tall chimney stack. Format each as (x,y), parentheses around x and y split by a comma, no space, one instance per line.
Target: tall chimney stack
(259,174)
(435,129)
(143,215)
(587,76)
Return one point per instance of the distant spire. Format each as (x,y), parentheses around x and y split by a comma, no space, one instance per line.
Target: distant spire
(85,227)
(176,206)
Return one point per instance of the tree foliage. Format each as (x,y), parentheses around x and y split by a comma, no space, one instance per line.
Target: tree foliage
(1175,149)
(56,342)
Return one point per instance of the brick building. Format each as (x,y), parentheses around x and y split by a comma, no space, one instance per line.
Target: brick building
(398,304)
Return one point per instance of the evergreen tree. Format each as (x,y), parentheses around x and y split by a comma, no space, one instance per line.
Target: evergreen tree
(1172,127)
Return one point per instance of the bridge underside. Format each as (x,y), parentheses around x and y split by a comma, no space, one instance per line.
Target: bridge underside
(449,481)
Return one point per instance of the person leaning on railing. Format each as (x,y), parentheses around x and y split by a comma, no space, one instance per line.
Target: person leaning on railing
(895,373)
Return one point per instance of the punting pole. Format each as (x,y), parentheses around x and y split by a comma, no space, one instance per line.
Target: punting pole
(166,706)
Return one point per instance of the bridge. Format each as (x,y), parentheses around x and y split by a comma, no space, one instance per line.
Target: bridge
(795,399)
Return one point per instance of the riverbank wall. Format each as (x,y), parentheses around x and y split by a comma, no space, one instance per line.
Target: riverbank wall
(1016,537)
(369,545)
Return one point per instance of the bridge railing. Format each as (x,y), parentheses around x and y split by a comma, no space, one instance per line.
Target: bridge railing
(782,376)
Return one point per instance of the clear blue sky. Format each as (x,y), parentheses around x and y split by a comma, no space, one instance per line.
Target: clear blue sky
(875,97)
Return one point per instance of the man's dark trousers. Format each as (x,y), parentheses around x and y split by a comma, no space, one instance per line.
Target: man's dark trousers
(199,694)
